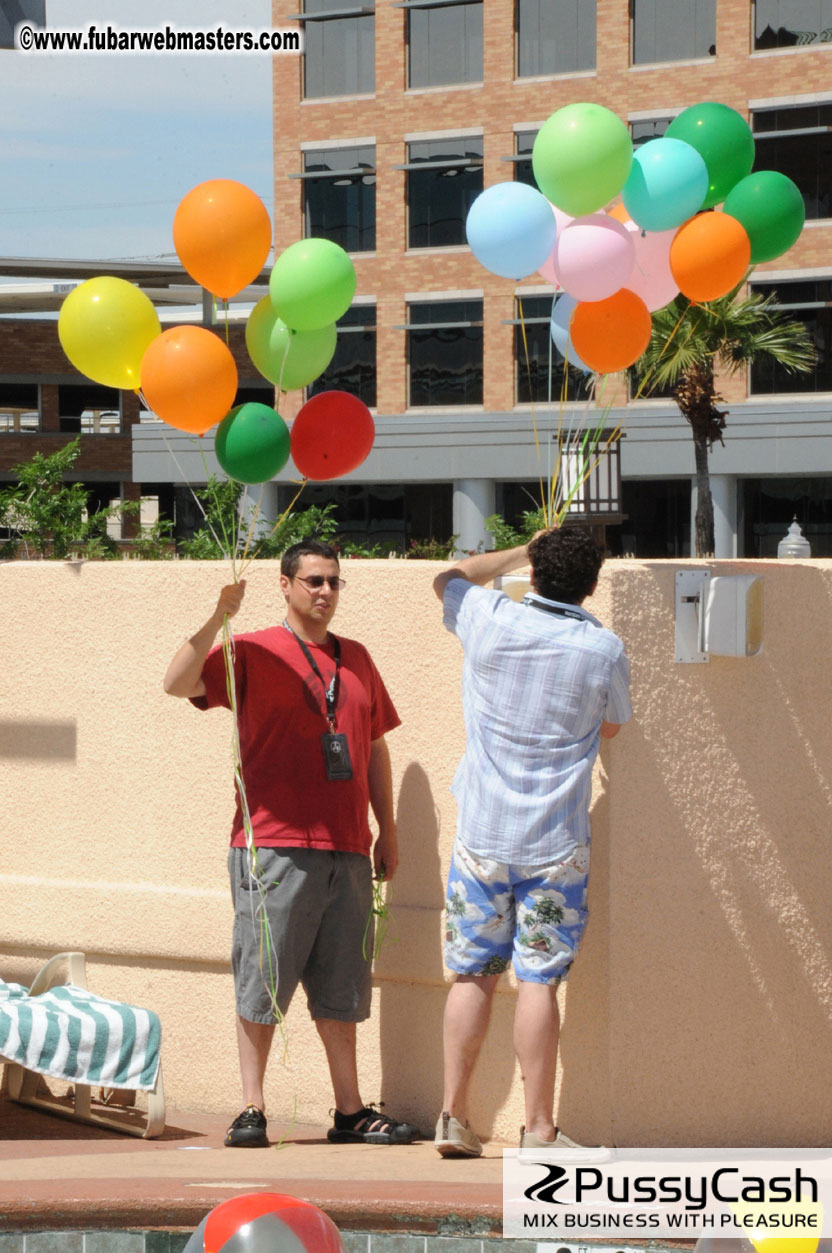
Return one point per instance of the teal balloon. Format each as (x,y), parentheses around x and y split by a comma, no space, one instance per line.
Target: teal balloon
(252,443)
(581,157)
(285,357)
(312,284)
(667,184)
(724,141)
(771,208)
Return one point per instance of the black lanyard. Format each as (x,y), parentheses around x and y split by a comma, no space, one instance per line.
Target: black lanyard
(330,691)
(560,610)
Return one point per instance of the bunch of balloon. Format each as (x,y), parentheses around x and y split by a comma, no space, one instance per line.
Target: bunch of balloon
(619,265)
(291,339)
(265,1222)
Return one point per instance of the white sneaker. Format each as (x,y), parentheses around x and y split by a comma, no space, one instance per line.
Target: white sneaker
(563,1144)
(452,1139)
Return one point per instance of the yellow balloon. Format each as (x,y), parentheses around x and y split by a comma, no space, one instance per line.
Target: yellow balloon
(105,326)
(782,1244)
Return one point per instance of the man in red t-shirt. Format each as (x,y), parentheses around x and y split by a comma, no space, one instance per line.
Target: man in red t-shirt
(312,713)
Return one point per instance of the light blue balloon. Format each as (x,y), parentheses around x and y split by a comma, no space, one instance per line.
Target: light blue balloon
(561,316)
(511,229)
(668,183)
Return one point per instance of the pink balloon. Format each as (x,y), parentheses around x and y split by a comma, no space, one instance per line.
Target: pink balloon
(651,278)
(594,257)
(547,270)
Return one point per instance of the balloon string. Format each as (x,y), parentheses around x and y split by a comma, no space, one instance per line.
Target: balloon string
(543,499)
(225,310)
(259,912)
(278,523)
(193,492)
(225,545)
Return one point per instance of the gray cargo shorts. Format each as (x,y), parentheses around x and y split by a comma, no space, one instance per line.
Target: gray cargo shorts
(317,903)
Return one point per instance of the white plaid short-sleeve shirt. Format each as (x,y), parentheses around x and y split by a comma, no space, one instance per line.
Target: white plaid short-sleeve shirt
(536,687)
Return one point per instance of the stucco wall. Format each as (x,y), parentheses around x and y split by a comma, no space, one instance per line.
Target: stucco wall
(700,1009)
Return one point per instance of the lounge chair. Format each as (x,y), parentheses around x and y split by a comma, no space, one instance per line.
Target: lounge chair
(57,1028)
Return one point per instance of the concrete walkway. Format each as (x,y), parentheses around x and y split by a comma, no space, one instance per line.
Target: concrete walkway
(56,1174)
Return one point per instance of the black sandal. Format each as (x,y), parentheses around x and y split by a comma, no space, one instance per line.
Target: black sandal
(368,1126)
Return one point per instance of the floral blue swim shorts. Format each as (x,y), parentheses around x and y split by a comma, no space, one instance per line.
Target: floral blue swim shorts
(495,910)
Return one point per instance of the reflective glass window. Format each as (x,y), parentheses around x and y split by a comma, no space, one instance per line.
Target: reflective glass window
(808,301)
(440,195)
(444,44)
(673,30)
(353,368)
(339,203)
(555,36)
(340,52)
(444,350)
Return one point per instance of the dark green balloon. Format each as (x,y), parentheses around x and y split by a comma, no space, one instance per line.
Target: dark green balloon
(724,141)
(770,207)
(252,443)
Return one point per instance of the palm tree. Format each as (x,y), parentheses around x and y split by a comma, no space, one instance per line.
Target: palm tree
(689,341)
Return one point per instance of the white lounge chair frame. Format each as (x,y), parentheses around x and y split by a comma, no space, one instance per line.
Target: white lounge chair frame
(29,1088)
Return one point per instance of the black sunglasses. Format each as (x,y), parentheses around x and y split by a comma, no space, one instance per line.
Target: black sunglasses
(314,582)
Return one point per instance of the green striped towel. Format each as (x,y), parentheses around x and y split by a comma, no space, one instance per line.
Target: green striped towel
(71,1034)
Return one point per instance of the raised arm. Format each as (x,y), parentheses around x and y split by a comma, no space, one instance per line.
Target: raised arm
(481,568)
(184,674)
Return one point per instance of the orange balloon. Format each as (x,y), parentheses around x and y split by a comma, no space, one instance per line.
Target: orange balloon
(619,213)
(709,255)
(189,378)
(222,234)
(609,335)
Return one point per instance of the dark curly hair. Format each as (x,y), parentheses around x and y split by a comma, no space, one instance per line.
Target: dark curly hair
(565,564)
(290,560)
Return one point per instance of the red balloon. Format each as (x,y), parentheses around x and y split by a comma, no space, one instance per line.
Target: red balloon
(332,434)
(254,1222)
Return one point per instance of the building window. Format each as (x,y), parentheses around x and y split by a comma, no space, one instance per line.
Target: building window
(542,378)
(444,352)
(87,409)
(808,301)
(19,408)
(523,145)
(444,43)
(444,178)
(339,196)
(770,504)
(340,51)
(555,36)
(798,142)
(656,519)
(791,23)
(353,367)
(649,128)
(673,30)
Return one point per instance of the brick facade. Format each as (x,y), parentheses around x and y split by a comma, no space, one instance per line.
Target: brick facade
(734,76)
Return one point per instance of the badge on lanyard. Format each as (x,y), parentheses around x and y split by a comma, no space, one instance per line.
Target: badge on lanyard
(334,744)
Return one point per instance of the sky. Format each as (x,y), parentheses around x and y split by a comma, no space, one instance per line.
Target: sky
(96,151)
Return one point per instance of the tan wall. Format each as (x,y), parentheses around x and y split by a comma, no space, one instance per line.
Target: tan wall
(700,1009)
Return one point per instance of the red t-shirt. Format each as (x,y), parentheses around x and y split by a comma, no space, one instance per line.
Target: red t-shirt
(281,712)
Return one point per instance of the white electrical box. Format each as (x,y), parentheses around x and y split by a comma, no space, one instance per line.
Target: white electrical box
(721,614)
(733,611)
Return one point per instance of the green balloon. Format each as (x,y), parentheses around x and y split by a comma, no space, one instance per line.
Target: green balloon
(288,358)
(582,157)
(252,443)
(724,141)
(312,284)
(770,207)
